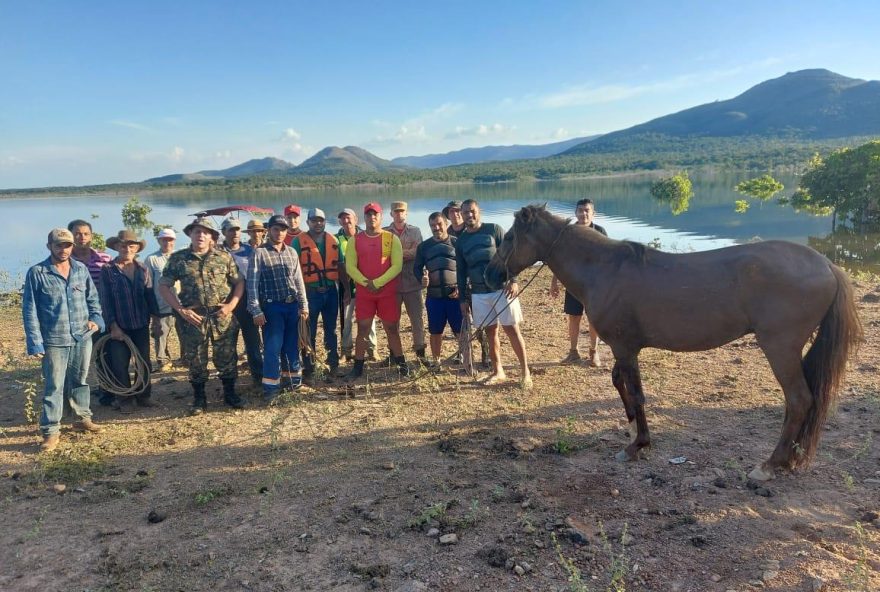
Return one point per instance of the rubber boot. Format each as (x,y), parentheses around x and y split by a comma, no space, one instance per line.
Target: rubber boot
(420,354)
(232,398)
(200,401)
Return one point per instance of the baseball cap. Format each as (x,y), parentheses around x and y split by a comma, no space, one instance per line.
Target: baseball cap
(167,233)
(231,223)
(348,211)
(278,220)
(374,207)
(317,213)
(398,205)
(60,235)
(292,210)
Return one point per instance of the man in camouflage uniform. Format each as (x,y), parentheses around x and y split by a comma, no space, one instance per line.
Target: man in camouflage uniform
(210,288)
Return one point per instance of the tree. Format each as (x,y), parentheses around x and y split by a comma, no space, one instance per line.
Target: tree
(676,190)
(763,187)
(846,183)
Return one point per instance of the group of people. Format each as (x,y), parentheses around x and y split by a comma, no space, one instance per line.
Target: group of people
(282,281)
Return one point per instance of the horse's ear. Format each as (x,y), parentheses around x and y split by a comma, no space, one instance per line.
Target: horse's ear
(525,216)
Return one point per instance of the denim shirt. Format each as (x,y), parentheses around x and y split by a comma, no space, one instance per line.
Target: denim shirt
(56,310)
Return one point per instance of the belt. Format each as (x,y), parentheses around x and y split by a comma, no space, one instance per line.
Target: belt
(320,290)
(289,300)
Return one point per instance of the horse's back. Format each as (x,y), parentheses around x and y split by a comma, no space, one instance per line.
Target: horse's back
(701,300)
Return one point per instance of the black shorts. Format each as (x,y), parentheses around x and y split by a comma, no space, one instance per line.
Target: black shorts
(572,305)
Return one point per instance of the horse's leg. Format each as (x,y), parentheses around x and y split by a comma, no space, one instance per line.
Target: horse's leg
(785,361)
(627,379)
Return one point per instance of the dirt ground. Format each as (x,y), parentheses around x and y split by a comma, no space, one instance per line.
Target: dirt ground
(329,492)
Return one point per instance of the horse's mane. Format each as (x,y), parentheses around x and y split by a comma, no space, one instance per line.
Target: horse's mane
(627,250)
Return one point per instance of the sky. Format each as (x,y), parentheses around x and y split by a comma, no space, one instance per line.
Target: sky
(107,92)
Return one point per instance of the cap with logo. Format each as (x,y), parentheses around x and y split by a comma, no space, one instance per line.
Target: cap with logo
(373,207)
(317,213)
(293,210)
(278,220)
(60,236)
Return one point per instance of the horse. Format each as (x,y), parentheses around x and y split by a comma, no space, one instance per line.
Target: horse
(636,297)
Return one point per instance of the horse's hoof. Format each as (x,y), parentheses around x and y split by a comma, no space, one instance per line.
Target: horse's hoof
(759,474)
(622,456)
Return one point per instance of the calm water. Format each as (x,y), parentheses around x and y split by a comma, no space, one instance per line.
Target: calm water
(624,207)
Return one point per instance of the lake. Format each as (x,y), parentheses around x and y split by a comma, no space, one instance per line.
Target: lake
(624,207)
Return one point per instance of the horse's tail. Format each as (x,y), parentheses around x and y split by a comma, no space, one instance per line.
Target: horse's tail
(839,336)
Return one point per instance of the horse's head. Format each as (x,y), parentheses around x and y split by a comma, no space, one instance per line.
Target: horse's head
(519,249)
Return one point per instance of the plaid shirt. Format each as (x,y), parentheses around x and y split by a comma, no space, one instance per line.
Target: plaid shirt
(125,302)
(56,309)
(274,276)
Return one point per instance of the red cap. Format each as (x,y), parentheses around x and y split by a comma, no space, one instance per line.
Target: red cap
(373,206)
(292,209)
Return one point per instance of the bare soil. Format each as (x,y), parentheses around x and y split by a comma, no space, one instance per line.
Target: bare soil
(329,492)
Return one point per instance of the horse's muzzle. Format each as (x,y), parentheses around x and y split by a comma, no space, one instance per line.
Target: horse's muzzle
(495,275)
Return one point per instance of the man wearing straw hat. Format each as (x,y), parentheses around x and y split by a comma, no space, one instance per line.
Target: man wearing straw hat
(61,311)
(257,233)
(210,288)
(128,302)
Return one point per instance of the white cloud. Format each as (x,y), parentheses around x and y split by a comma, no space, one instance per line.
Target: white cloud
(176,154)
(481,130)
(131,125)
(8,162)
(561,134)
(405,134)
(223,154)
(415,129)
(290,134)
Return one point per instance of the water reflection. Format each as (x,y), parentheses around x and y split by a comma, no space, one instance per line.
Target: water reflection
(850,249)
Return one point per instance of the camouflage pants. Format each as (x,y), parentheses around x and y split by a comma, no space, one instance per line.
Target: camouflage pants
(194,341)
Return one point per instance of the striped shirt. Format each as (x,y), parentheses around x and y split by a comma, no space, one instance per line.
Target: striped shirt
(274,276)
(94,264)
(125,302)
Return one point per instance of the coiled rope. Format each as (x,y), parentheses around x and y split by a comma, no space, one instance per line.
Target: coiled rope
(139,369)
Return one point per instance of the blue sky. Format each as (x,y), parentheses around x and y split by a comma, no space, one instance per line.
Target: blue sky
(101,92)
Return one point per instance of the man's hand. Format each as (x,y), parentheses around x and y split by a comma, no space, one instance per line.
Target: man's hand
(372,287)
(37,356)
(225,311)
(190,317)
(424,281)
(512,289)
(91,326)
(260,320)
(303,314)
(116,333)
(554,288)
(454,294)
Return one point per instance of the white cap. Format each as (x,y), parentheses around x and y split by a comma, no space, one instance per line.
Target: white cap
(166,233)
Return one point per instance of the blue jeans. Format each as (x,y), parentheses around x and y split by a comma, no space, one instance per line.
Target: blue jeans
(64,373)
(325,305)
(280,338)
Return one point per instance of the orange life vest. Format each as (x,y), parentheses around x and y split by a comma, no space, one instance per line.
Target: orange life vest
(315,269)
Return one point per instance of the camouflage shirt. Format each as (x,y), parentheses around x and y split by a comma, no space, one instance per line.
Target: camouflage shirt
(205,280)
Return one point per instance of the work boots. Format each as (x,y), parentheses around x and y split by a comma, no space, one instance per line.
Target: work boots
(232,398)
(200,401)
(402,366)
(356,372)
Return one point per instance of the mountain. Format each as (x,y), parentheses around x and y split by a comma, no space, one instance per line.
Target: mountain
(245,169)
(251,167)
(489,153)
(333,160)
(805,105)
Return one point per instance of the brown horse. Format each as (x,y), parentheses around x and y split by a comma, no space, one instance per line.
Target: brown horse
(639,297)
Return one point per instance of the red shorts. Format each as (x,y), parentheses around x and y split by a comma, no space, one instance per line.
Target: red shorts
(383,304)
